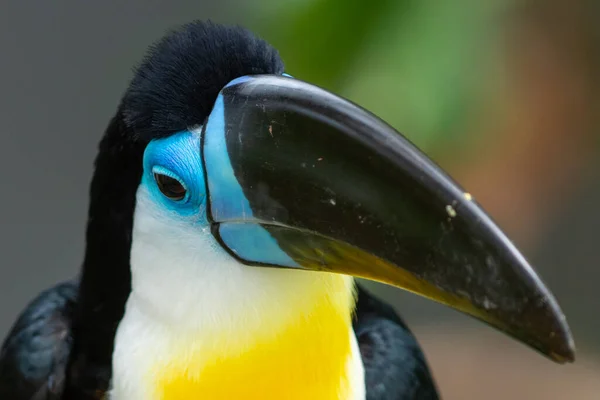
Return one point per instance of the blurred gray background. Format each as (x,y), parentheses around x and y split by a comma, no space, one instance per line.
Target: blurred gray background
(65,64)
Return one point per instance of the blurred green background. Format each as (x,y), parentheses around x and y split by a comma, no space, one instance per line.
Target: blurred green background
(502,94)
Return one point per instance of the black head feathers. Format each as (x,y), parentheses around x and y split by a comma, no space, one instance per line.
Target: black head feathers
(177,83)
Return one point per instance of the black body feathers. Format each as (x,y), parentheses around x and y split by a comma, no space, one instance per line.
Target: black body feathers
(34,356)
(395,367)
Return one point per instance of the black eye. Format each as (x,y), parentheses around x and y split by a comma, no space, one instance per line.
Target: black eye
(170,187)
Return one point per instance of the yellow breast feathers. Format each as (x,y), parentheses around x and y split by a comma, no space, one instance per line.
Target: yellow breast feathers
(309,357)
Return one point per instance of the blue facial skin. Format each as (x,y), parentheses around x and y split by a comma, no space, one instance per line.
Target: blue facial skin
(178,156)
(253,244)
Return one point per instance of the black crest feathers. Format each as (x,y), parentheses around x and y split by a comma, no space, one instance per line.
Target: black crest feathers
(177,83)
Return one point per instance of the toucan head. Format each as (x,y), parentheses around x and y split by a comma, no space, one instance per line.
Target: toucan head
(242,162)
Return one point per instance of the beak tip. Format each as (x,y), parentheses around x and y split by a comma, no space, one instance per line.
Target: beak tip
(566,357)
(561,348)
(567,354)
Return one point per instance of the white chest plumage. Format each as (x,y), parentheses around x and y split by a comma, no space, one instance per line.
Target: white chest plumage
(201,325)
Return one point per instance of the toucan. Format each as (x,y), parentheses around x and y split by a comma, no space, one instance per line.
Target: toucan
(231,208)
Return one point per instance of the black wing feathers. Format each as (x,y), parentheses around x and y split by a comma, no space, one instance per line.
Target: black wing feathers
(35,354)
(395,367)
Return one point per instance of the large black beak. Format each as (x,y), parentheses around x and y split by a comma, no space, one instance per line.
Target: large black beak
(298,177)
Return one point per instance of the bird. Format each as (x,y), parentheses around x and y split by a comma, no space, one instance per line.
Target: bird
(233,210)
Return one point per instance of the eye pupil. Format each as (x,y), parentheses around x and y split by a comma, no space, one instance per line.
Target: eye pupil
(170,187)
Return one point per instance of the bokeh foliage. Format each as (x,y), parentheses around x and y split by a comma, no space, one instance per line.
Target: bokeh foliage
(423,66)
